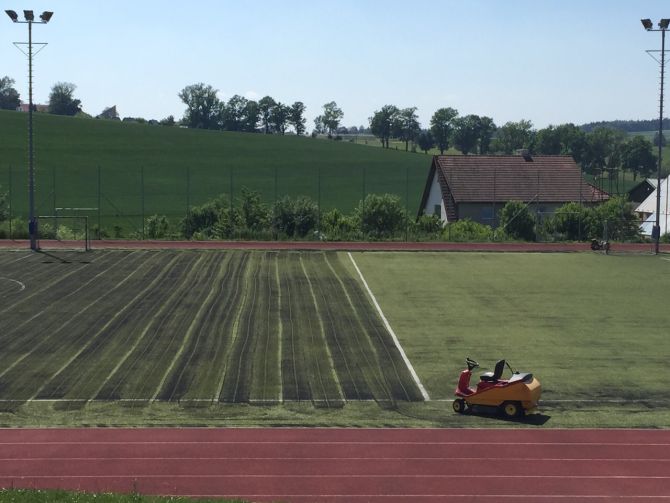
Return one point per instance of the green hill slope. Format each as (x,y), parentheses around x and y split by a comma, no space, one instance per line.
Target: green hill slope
(133,170)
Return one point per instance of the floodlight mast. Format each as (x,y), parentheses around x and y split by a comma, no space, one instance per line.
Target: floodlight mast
(662,27)
(29,20)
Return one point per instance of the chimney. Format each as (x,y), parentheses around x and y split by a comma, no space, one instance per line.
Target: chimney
(524,152)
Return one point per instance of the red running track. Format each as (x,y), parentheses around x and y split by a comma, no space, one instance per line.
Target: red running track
(338,465)
(338,246)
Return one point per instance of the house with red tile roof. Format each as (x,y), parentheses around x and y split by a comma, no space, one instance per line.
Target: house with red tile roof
(478,186)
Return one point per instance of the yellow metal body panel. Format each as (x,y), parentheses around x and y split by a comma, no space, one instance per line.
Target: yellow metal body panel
(526,393)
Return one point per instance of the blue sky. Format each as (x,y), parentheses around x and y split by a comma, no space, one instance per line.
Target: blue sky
(548,61)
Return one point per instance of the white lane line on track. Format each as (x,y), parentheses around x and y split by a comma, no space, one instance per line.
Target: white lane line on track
(424,393)
(401,459)
(347,442)
(328,476)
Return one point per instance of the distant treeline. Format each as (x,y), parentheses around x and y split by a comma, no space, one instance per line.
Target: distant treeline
(629,126)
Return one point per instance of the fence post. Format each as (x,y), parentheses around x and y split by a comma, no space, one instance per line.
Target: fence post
(53,184)
(142,197)
(406,203)
(188,200)
(318,203)
(99,204)
(10,201)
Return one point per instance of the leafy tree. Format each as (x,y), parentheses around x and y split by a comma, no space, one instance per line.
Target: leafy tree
(203,107)
(252,112)
(603,152)
(441,125)
(9,97)
(466,230)
(296,117)
(234,113)
(487,128)
(62,101)
(295,217)
(514,136)
(265,107)
(168,121)
(566,139)
(319,126)
(407,127)
(382,123)
(618,214)
(426,140)
(332,115)
(380,216)
(517,221)
(279,117)
(637,156)
(202,219)
(466,133)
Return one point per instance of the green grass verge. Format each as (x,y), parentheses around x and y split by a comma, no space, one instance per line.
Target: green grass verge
(146,170)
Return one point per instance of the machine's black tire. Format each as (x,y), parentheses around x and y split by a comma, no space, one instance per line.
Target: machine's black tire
(459,405)
(512,409)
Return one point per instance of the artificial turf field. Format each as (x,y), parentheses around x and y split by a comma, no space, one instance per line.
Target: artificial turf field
(291,338)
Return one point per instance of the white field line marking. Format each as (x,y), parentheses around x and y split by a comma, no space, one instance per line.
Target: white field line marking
(424,393)
(323,330)
(663,258)
(95,336)
(66,323)
(206,306)
(280,330)
(128,304)
(23,287)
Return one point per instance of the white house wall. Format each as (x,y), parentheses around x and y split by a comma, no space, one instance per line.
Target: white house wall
(435,198)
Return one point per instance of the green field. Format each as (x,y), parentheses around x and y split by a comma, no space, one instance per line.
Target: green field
(132,170)
(291,338)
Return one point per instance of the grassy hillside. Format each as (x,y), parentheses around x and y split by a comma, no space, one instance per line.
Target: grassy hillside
(174,167)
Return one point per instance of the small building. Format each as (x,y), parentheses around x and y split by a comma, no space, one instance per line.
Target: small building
(25,107)
(641,191)
(478,186)
(647,209)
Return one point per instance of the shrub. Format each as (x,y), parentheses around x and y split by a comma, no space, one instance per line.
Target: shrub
(467,230)
(569,222)
(294,217)
(430,225)
(157,226)
(380,216)
(517,222)
(201,219)
(336,226)
(255,214)
(4,209)
(228,222)
(618,214)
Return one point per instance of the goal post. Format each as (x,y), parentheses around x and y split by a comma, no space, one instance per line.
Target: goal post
(63,232)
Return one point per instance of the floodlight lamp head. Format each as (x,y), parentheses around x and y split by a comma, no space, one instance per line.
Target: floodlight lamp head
(46,16)
(663,24)
(28,14)
(12,15)
(648,25)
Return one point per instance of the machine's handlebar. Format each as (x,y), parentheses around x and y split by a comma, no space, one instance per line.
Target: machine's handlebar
(471,363)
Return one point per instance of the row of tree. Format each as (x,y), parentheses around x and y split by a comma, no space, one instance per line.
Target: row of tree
(61,97)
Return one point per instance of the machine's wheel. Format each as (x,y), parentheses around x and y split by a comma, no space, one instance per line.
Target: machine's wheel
(512,409)
(459,405)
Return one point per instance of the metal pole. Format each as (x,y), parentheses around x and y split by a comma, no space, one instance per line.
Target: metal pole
(657,229)
(99,204)
(31,167)
(188,200)
(10,202)
(142,188)
(406,204)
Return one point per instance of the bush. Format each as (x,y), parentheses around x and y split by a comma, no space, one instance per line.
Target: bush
(380,216)
(336,226)
(294,217)
(228,222)
(517,222)
(428,225)
(467,230)
(569,222)
(618,214)
(156,227)
(202,219)
(4,209)
(255,215)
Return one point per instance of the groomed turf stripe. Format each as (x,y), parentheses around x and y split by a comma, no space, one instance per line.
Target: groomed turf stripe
(424,393)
